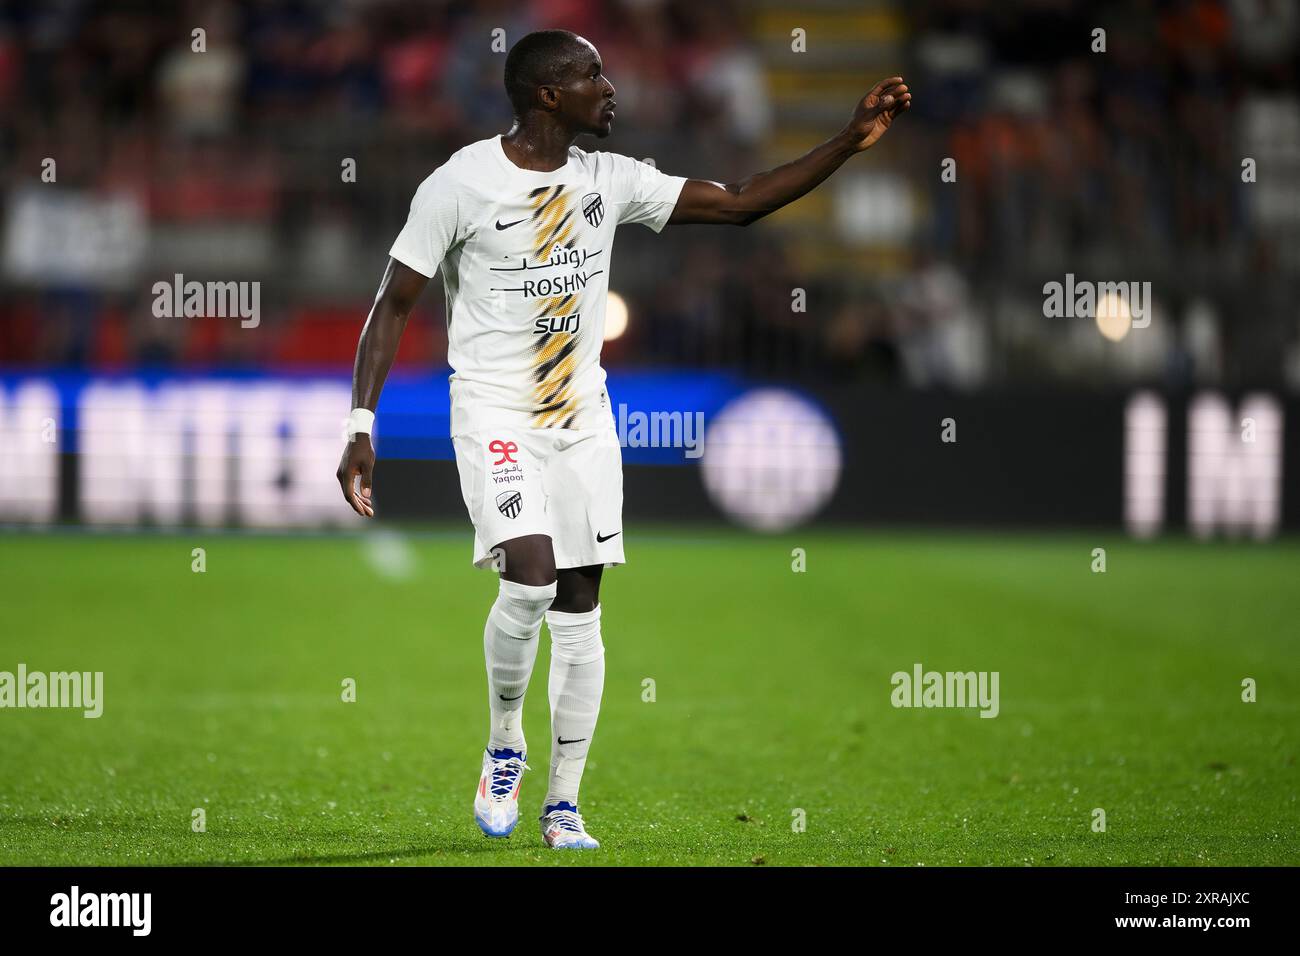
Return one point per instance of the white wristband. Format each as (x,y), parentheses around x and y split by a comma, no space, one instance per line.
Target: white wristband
(360,422)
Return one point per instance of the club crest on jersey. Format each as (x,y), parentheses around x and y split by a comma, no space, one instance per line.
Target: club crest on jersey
(510,503)
(593,208)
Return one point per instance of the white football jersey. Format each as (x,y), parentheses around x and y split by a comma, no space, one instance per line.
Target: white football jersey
(525,260)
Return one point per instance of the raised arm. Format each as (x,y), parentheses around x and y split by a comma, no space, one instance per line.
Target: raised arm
(739,204)
(398,292)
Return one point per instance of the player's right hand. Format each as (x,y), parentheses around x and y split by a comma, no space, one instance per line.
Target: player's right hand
(875,112)
(358,462)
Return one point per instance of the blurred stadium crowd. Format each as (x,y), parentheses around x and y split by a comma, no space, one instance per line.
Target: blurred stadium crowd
(232,164)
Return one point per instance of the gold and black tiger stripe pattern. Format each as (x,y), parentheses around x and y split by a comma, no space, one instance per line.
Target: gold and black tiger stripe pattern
(554,353)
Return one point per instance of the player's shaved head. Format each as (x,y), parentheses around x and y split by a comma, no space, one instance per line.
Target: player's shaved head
(544,58)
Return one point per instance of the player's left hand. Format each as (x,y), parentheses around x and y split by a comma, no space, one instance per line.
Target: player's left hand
(358,463)
(876,111)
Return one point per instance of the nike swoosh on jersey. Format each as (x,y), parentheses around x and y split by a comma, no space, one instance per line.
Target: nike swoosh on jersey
(509,224)
(601,539)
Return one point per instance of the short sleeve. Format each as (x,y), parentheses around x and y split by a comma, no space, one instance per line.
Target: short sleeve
(642,193)
(433,225)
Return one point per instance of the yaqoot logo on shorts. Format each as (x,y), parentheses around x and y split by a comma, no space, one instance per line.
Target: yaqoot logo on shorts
(505,449)
(505,470)
(593,208)
(510,503)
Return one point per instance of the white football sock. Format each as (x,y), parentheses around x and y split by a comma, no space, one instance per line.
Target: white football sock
(510,647)
(577,679)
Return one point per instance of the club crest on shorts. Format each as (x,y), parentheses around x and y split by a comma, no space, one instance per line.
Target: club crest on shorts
(593,208)
(510,503)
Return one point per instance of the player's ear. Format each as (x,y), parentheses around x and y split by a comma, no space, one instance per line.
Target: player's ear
(548,97)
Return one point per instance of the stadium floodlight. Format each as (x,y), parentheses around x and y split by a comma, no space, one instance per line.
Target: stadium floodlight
(771,459)
(615,316)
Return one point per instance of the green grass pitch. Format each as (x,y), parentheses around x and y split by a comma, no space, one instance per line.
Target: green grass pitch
(223,691)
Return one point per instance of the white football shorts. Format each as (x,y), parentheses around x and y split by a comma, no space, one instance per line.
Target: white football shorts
(564,483)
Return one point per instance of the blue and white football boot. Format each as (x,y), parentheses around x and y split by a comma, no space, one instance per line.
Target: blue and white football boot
(496,802)
(563,829)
